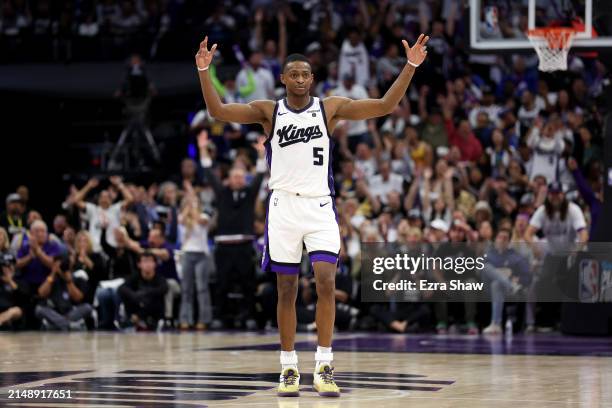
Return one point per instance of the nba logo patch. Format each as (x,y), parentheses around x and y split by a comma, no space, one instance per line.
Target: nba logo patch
(588,281)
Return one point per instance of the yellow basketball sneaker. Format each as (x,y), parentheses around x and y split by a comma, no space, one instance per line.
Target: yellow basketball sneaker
(289,385)
(324,383)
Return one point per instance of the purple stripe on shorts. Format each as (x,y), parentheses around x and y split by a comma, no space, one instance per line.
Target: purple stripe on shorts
(323,258)
(285,269)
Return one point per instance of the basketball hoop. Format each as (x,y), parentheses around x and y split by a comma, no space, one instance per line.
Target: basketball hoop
(552,45)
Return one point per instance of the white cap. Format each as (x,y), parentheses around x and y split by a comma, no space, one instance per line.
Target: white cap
(439,224)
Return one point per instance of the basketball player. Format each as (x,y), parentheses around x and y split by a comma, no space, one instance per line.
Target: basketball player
(301,208)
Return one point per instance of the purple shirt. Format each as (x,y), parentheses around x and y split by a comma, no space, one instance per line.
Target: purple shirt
(36,272)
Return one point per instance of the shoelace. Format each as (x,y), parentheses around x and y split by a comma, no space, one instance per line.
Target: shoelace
(290,378)
(327,375)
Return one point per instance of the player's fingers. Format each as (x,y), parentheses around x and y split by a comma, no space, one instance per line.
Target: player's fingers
(425,40)
(418,41)
(213,49)
(406,46)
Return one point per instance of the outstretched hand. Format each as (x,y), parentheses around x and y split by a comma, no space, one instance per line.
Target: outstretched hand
(417,53)
(204,56)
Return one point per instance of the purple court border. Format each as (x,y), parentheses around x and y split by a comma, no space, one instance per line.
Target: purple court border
(538,344)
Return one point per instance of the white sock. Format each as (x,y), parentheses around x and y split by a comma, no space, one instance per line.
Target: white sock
(324,355)
(288,359)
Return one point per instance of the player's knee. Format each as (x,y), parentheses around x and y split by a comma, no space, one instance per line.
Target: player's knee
(326,286)
(287,290)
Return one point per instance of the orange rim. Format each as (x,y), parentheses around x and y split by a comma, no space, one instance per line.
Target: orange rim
(557,37)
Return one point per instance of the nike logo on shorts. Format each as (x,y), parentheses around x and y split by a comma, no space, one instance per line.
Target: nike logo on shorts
(323,204)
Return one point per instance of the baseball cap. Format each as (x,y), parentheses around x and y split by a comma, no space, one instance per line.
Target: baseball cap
(439,224)
(13,198)
(482,205)
(313,47)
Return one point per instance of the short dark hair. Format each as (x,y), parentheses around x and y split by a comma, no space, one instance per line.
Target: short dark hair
(147,254)
(293,58)
(506,230)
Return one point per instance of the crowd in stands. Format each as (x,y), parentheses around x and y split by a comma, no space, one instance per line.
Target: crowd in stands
(477,152)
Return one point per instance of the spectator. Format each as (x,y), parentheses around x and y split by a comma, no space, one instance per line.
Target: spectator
(105,215)
(462,135)
(63,303)
(254,80)
(13,292)
(547,146)
(385,182)
(455,248)
(357,129)
(143,294)
(234,233)
(195,262)
(5,247)
(354,59)
(156,244)
(13,219)
(92,263)
(507,272)
(122,265)
(35,257)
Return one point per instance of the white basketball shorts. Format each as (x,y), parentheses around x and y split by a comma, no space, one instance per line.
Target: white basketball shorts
(293,221)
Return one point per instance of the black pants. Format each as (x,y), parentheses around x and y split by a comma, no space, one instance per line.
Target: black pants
(150,311)
(235,275)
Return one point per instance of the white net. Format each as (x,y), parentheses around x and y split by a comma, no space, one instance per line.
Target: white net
(552,46)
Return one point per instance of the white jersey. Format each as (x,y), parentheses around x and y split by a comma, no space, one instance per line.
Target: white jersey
(299,150)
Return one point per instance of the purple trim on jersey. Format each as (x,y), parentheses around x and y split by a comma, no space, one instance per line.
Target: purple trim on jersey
(268,147)
(298,110)
(332,259)
(330,171)
(335,211)
(271,134)
(284,269)
(266,255)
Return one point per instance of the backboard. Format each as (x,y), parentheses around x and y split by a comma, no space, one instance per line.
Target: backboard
(498,25)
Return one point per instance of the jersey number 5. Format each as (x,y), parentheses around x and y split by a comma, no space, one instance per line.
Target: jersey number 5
(317,153)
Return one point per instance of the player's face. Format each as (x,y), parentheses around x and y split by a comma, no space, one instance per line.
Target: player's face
(297,77)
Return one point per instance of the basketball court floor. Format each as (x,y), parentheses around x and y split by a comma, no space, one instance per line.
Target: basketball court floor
(241,369)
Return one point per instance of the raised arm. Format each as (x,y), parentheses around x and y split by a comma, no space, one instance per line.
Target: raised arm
(125,192)
(80,195)
(254,112)
(344,108)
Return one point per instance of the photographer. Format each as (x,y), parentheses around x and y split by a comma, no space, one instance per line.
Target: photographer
(63,295)
(13,293)
(143,293)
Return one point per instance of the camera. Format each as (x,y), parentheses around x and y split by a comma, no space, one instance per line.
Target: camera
(7,260)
